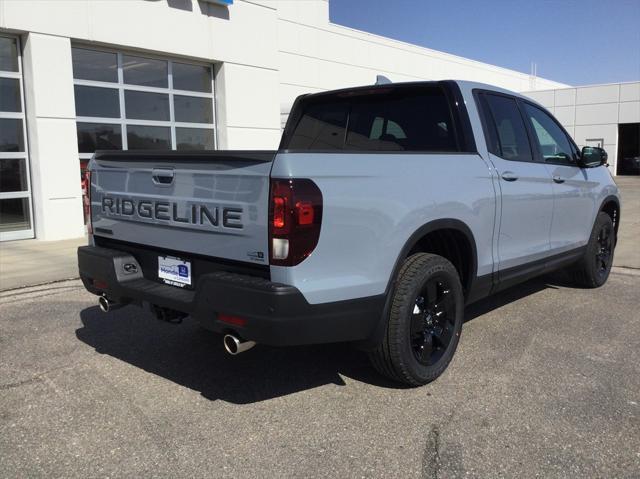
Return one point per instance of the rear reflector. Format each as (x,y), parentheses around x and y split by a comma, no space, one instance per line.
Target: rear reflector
(235,320)
(99,284)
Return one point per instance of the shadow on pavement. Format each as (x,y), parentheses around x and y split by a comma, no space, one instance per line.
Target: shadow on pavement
(515,293)
(195,358)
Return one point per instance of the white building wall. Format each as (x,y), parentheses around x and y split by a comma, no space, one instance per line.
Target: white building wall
(243,37)
(594,112)
(51,128)
(265,53)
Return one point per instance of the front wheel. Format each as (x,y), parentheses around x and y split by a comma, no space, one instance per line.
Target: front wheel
(592,271)
(424,323)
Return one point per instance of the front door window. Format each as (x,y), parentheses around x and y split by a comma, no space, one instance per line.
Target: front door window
(553,143)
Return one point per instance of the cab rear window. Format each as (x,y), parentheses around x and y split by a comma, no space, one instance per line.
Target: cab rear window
(394,119)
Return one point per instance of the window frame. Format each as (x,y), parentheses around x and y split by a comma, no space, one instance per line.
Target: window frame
(121,87)
(462,130)
(487,119)
(21,116)
(540,157)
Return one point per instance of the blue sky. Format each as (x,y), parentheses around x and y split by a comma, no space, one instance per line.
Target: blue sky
(572,41)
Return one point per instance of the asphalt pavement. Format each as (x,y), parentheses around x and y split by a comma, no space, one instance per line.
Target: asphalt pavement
(545,383)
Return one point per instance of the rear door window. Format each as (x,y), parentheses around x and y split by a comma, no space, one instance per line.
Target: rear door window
(507,129)
(397,119)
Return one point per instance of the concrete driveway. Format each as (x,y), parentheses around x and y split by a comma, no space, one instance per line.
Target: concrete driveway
(545,383)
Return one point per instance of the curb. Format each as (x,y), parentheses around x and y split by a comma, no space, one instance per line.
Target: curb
(46,283)
(626,270)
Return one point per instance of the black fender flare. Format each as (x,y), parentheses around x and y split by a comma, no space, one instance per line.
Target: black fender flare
(430,227)
(616,200)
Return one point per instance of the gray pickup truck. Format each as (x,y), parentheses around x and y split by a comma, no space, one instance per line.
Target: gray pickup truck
(385,210)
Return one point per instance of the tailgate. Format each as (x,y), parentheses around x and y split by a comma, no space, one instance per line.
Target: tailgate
(212,203)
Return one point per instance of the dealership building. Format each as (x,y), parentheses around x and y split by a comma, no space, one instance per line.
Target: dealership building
(81,75)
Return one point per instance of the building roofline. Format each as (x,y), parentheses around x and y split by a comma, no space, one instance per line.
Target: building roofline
(585,86)
(460,59)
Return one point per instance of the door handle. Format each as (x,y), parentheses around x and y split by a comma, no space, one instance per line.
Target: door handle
(557,179)
(509,176)
(162,176)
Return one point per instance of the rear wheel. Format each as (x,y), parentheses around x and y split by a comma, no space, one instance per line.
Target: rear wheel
(424,323)
(592,271)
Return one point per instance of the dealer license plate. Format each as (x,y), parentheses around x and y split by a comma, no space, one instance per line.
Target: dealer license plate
(174,271)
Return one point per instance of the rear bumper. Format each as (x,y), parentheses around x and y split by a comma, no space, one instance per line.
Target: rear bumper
(275,314)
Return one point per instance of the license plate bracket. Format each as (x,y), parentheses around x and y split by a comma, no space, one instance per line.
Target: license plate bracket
(174,271)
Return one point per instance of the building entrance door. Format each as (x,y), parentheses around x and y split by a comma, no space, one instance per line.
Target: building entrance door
(16,218)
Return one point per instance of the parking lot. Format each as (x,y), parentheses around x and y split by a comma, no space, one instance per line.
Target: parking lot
(545,383)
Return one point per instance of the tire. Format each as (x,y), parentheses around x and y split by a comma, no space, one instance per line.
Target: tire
(424,322)
(592,271)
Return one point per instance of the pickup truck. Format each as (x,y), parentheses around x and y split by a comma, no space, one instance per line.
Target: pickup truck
(385,210)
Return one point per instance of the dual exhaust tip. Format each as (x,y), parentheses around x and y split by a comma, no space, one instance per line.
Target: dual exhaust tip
(232,344)
(107,304)
(235,345)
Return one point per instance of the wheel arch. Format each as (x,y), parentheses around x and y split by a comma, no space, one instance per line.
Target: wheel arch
(611,206)
(416,242)
(449,238)
(448,228)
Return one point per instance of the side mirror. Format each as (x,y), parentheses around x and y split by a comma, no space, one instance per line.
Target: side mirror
(593,156)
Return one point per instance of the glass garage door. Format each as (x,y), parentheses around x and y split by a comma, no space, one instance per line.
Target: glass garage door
(127,101)
(15,189)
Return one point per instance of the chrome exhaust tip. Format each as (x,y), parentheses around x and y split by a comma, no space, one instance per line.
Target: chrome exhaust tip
(235,345)
(107,305)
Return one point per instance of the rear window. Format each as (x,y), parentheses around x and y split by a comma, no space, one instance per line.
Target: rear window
(400,119)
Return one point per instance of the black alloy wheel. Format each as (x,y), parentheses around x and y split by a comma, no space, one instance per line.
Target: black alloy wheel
(432,321)
(424,321)
(593,269)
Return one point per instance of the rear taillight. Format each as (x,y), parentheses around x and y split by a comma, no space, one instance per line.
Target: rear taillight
(86,200)
(295,215)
